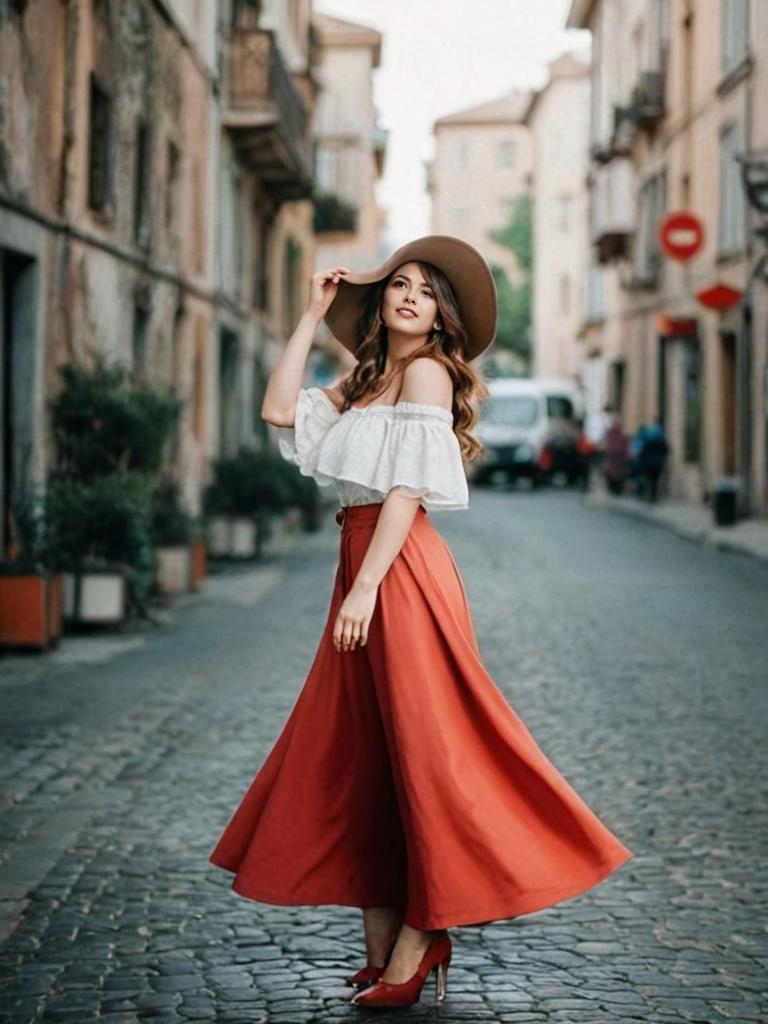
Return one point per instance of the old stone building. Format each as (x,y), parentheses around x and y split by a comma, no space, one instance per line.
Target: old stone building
(482,163)
(155,206)
(481,169)
(558,120)
(679,93)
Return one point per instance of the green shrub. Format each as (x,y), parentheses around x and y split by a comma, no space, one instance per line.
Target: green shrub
(251,482)
(102,423)
(103,521)
(170,521)
(109,435)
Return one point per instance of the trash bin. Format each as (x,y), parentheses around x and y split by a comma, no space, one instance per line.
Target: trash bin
(724,502)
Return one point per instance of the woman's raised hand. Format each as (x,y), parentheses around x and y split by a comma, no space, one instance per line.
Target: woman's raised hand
(323,288)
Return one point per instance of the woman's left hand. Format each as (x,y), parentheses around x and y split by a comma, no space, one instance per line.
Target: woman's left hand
(354,617)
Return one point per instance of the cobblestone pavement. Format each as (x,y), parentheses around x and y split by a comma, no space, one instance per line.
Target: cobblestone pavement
(637,660)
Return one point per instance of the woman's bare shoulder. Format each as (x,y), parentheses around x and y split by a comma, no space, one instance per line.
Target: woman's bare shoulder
(334,392)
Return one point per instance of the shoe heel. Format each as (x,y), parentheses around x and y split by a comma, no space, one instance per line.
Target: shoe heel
(442,980)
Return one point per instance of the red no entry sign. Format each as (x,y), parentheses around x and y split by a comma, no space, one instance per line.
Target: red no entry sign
(681,235)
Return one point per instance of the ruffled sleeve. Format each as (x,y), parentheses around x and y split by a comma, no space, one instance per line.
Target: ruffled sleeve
(409,447)
(314,416)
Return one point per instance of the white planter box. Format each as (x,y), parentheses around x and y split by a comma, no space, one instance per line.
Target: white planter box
(242,538)
(173,569)
(102,597)
(231,537)
(218,536)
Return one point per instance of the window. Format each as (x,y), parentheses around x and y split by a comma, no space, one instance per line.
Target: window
(595,293)
(564,208)
(139,342)
(98,146)
(291,284)
(652,202)
(505,153)
(658,36)
(171,182)
(734,32)
(692,438)
(460,155)
(141,187)
(732,223)
(328,169)
(260,270)
(617,375)
(237,239)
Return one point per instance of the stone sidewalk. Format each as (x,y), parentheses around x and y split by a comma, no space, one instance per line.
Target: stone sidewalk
(694,522)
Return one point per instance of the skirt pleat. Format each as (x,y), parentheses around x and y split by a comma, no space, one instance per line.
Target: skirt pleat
(402,776)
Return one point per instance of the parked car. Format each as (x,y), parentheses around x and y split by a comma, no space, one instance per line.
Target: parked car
(530,428)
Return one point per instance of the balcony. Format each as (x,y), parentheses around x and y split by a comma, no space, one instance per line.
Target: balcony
(333,214)
(266,115)
(647,102)
(613,215)
(619,142)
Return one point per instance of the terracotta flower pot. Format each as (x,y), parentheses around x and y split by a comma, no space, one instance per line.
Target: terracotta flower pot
(31,606)
(199,563)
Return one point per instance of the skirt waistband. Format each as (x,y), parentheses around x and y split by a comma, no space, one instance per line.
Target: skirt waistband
(349,516)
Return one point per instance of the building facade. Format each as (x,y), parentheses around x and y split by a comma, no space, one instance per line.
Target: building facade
(482,163)
(155,207)
(350,149)
(558,121)
(481,169)
(679,91)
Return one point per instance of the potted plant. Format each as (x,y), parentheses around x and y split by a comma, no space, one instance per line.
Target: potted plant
(171,531)
(109,436)
(199,552)
(31,594)
(246,490)
(100,533)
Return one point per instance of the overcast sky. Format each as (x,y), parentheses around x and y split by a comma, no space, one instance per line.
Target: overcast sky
(439,56)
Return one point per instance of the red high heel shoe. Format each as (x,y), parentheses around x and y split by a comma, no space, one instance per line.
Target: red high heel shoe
(437,956)
(369,973)
(366,974)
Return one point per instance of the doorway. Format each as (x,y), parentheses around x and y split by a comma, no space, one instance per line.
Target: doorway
(18,291)
(728,401)
(229,403)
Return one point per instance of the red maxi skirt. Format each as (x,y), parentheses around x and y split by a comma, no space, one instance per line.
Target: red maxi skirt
(402,777)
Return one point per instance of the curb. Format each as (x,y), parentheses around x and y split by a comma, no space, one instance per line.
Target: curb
(712,536)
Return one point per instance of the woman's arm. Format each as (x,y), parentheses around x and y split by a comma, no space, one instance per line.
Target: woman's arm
(392,527)
(427,381)
(287,374)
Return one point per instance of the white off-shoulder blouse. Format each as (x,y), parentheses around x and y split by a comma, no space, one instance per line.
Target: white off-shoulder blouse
(366,452)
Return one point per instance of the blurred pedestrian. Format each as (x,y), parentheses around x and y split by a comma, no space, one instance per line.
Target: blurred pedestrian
(403,782)
(615,457)
(649,458)
(587,451)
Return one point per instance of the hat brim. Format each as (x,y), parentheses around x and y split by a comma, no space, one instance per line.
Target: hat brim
(463,265)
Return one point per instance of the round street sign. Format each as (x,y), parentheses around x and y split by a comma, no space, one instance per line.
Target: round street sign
(681,235)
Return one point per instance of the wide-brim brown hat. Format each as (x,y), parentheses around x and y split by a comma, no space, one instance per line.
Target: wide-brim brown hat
(466,269)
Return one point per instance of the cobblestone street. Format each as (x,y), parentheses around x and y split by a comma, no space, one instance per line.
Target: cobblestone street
(637,660)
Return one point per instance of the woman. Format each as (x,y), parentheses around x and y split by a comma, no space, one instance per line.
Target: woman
(403,782)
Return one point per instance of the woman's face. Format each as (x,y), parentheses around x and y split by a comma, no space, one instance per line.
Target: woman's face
(409,304)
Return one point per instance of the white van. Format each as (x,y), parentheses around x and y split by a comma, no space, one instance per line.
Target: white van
(529,427)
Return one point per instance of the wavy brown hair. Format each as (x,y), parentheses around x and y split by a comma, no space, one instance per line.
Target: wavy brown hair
(447,346)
